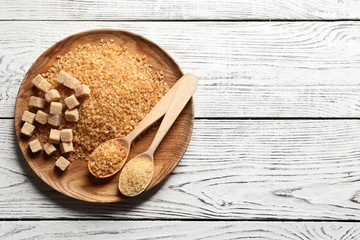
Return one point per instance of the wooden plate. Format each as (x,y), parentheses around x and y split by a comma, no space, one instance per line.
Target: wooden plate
(76,181)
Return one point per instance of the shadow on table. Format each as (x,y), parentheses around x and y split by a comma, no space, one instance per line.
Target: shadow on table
(85,209)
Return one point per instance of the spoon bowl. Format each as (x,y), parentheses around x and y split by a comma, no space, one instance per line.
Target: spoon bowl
(123,141)
(122,180)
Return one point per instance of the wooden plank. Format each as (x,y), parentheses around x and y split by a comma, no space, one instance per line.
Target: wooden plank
(177,230)
(245,169)
(261,69)
(178,10)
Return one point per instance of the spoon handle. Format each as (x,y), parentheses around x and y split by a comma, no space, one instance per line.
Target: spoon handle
(182,95)
(156,113)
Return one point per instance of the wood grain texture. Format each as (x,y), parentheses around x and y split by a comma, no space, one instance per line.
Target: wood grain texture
(178,10)
(244,169)
(76,181)
(178,230)
(260,69)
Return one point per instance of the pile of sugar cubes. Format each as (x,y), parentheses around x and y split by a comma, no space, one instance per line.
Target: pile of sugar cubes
(63,137)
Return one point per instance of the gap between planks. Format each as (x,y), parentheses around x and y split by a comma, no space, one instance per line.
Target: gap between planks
(260,220)
(179,230)
(185,21)
(179,10)
(262,118)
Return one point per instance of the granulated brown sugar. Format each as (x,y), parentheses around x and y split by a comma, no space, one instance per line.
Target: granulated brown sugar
(108,158)
(135,176)
(124,88)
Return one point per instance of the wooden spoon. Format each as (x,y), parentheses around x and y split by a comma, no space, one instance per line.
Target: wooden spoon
(182,95)
(155,114)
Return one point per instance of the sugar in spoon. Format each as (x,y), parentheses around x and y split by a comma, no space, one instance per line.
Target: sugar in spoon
(109,157)
(138,172)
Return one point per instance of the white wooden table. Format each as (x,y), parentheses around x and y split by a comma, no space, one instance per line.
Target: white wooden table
(275,152)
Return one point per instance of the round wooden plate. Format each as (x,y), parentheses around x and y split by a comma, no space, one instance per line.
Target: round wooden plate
(76,181)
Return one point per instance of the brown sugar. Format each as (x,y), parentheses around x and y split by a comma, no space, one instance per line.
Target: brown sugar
(135,176)
(108,158)
(124,88)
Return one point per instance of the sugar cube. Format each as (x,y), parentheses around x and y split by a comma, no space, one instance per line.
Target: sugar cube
(36,81)
(67,80)
(36,102)
(54,136)
(49,148)
(66,147)
(71,102)
(41,83)
(66,135)
(82,91)
(54,120)
(28,117)
(41,117)
(62,163)
(35,146)
(52,95)
(27,129)
(72,115)
(55,108)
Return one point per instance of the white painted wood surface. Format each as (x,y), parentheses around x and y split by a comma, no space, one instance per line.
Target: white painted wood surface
(178,9)
(178,230)
(233,169)
(256,69)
